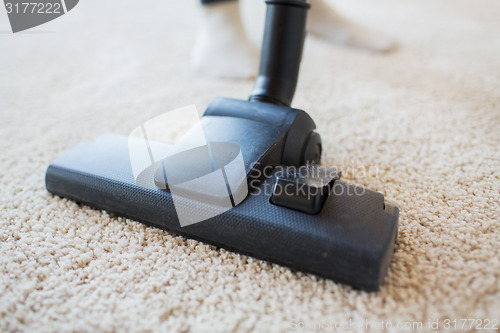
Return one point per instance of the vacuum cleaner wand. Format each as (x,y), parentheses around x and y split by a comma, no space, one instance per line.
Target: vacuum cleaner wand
(255,187)
(281,52)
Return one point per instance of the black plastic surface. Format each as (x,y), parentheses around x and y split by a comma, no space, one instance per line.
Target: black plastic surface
(267,134)
(304,189)
(281,52)
(351,240)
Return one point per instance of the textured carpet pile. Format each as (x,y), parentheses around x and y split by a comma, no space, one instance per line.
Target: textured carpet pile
(420,125)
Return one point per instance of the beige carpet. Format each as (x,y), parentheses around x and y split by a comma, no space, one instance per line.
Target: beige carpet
(421,125)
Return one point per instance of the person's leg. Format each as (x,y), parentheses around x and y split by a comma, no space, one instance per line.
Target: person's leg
(325,22)
(222,48)
(206,2)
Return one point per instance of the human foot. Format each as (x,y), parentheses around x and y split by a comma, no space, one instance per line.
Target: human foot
(222,49)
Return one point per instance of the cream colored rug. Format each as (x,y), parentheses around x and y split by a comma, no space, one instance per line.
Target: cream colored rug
(421,125)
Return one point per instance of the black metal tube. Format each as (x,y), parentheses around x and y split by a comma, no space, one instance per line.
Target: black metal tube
(281,51)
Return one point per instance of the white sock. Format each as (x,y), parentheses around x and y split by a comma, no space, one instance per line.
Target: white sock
(325,22)
(222,48)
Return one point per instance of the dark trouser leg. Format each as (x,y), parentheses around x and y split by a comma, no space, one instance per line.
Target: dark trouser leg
(206,2)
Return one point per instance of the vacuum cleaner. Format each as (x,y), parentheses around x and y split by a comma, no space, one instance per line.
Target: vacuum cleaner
(281,206)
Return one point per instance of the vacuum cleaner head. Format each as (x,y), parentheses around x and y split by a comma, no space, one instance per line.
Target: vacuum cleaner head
(302,217)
